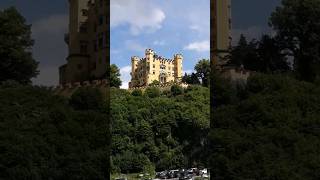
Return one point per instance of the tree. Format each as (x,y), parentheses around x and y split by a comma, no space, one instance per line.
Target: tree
(16,61)
(176,90)
(263,55)
(246,54)
(297,25)
(190,79)
(87,98)
(277,122)
(152,92)
(137,92)
(115,80)
(154,83)
(202,69)
(271,56)
(238,53)
(43,137)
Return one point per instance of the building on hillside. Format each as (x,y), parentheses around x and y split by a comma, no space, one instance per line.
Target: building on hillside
(155,68)
(87,41)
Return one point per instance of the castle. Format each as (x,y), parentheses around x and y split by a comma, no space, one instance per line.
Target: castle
(87,42)
(153,67)
(88,46)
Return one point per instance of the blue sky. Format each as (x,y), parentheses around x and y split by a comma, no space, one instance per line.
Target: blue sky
(169,26)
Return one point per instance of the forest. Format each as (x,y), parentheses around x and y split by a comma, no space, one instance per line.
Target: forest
(159,130)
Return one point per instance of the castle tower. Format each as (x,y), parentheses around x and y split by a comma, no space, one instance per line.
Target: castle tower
(178,58)
(223,29)
(149,55)
(78,10)
(134,63)
(88,56)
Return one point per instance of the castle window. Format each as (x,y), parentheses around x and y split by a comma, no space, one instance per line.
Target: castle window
(154,66)
(153,72)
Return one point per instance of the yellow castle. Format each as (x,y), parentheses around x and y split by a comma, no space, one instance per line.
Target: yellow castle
(153,67)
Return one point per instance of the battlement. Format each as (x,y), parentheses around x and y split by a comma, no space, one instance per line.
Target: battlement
(178,56)
(149,51)
(103,82)
(135,58)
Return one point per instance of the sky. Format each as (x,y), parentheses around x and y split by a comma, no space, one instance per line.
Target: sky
(167,26)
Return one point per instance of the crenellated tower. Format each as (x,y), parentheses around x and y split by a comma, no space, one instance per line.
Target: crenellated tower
(178,58)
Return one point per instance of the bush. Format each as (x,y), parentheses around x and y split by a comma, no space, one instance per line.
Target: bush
(42,137)
(87,98)
(136,92)
(176,90)
(152,92)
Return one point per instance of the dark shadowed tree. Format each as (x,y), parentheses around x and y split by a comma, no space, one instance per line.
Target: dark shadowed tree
(271,57)
(297,25)
(16,61)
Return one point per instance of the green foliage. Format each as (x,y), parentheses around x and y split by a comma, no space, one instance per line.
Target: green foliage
(42,137)
(202,69)
(176,90)
(16,61)
(190,79)
(136,92)
(271,132)
(152,92)
(164,132)
(87,98)
(264,55)
(115,80)
(155,82)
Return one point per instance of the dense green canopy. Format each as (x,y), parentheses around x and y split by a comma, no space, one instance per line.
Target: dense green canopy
(158,131)
(44,137)
(270,131)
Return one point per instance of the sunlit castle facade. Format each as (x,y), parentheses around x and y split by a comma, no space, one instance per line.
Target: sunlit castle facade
(155,68)
(87,42)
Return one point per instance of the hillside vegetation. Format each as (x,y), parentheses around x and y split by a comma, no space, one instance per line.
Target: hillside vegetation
(158,130)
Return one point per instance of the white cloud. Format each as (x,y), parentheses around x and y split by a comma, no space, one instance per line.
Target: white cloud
(159,43)
(141,15)
(134,46)
(201,46)
(125,76)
